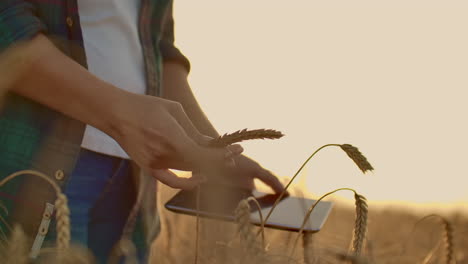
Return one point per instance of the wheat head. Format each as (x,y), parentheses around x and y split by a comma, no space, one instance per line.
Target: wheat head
(241,135)
(448,240)
(357,157)
(360,226)
(245,228)
(63,222)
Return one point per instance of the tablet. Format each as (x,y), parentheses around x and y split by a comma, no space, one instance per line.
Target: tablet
(220,202)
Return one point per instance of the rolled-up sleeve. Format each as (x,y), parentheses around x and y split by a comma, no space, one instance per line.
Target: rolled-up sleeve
(18,22)
(166,45)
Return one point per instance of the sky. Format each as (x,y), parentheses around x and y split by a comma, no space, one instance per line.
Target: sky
(389,77)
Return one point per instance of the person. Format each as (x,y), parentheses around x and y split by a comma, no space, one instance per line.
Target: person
(104,109)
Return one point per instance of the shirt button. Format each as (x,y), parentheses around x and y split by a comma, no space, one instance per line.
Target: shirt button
(46,215)
(43,231)
(69,21)
(59,175)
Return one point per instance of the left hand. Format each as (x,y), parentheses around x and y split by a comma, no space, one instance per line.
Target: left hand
(243,174)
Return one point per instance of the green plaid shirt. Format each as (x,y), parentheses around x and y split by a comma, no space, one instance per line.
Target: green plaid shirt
(33,136)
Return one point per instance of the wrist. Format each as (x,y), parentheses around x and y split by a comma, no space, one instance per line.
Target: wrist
(110,110)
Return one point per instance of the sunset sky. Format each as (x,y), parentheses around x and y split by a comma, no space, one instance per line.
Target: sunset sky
(389,77)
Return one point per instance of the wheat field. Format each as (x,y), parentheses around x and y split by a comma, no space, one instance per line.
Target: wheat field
(392,237)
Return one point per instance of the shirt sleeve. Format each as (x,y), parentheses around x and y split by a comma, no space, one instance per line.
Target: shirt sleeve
(17,22)
(166,45)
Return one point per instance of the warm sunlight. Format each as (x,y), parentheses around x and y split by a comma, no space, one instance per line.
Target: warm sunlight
(389,78)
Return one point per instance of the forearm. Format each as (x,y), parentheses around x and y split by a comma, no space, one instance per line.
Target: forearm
(52,79)
(177,88)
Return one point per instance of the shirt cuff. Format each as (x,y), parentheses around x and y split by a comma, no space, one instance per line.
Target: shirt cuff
(18,24)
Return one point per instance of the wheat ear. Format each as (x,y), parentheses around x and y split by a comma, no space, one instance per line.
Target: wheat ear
(245,228)
(357,157)
(63,222)
(307,238)
(448,241)
(447,238)
(360,226)
(352,152)
(360,222)
(241,135)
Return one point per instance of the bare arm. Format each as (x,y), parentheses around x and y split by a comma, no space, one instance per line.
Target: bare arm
(54,80)
(155,132)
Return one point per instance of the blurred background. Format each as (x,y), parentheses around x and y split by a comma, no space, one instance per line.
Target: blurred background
(389,77)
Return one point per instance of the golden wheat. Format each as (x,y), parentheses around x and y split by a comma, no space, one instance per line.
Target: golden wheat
(360,227)
(241,135)
(360,222)
(307,238)
(352,152)
(448,241)
(357,157)
(249,242)
(262,224)
(63,222)
(354,259)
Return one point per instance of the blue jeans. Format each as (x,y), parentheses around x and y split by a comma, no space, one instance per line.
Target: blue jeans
(100,195)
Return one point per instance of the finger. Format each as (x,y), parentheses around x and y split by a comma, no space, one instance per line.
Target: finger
(192,156)
(271,180)
(200,176)
(235,149)
(172,180)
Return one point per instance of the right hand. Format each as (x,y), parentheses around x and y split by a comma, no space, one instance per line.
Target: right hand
(157,134)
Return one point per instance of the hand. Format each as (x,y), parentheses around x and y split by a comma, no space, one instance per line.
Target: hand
(244,173)
(157,134)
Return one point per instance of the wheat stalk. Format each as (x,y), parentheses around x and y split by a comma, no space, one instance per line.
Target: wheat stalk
(354,259)
(352,152)
(241,135)
(262,225)
(197,225)
(360,222)
(307,238)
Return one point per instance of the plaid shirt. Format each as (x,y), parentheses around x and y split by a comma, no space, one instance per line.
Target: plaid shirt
(33,136)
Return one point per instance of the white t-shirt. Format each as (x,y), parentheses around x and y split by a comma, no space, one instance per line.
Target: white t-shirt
(114,54)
